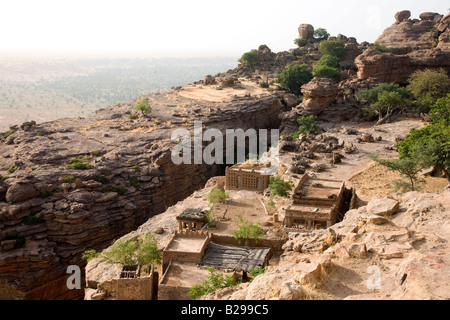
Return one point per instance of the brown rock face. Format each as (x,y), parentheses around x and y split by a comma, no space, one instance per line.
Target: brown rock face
(406,36)
(384,67)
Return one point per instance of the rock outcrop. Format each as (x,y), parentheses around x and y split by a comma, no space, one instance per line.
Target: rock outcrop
(306,32)
(318,94)
(413,44)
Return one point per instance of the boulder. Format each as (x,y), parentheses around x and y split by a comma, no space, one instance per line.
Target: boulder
(306,31)
(377,220)
(383,207)
(318,94)
(402,16)
(290,290)
(18,192)
(429,16)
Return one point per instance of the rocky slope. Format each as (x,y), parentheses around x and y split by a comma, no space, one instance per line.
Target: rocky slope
(393,248)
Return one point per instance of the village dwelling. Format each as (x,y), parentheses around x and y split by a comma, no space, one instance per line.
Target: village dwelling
(318,203)
(246,176)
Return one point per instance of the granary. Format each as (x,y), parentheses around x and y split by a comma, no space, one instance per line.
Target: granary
(246,176)
(191,219)
(317,203)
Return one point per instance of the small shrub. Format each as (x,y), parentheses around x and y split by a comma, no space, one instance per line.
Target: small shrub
(79,164)
(263,84)
(12,170)
(156,122)
(211,218)
(216,280)
(95,153)
(40,134)
(50,193)
(32,220)
(10,132)
(381,47)
(90,254)
(256,272)
(69,179)
(5,178)
(102,179)
(134,182)
(132,117)
(301,42)
(279,187)
(248,230)
(19,237)
(249,59)
(112,188)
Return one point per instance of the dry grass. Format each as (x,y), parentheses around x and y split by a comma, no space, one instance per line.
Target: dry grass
(378,180)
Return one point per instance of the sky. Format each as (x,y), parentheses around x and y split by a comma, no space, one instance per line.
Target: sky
(187,27)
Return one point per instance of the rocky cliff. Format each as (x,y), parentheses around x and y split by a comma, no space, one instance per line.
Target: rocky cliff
(61,211)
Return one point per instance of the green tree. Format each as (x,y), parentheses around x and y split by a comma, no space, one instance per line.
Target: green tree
(217,196)
(333,47)
(323,71)
(433,140)
(129,251)
(248,230)
(428,86)
(321,34)
(301,42)
(279,187)
(293,77)
(385,99)
(144,107)
(249,59)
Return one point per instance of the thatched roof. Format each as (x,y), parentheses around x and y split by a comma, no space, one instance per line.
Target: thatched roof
(192,215)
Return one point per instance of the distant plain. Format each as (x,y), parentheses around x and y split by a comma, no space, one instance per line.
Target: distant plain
(45,90)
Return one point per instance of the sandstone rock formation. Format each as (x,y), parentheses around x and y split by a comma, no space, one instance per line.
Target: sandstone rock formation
(414,45)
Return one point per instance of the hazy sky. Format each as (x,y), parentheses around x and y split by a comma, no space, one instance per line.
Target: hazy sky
(188,27)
